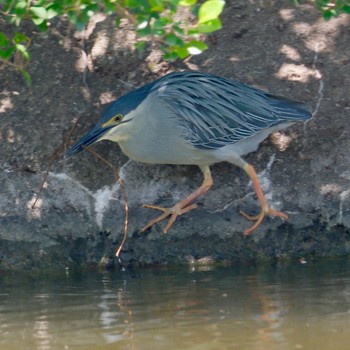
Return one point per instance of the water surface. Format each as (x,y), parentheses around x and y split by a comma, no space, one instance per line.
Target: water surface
(304,306)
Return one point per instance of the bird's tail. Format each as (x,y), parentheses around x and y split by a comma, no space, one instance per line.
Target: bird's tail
(303,110)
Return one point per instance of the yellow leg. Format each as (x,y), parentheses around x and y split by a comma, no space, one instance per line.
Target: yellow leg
(265,209)
(184,206)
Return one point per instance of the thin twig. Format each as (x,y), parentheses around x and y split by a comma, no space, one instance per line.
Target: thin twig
(122,12)
(122,186)
(56,154)
(84,56)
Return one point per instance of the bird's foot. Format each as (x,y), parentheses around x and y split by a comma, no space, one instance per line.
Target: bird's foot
(259,218)
(173,212)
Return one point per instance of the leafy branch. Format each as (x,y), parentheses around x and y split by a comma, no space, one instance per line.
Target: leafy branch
(178,36)
(158,20)
(330,8)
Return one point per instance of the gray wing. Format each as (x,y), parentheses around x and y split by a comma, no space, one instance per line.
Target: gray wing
(214,112)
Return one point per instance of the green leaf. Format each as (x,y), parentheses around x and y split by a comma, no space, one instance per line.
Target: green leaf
(6,54)
(21,4)
(52,11)
(210,10)
(182,52)
(156,5)
(140,5)
(161,22)
(187,2)
(27,77)
(327,15)
(178,29)
(210,26)
(20,38)
(19,11)
(39,14)
(173,5)
(173,40)
(37,21)
(108,8)
(117,22)
(144,31)
(196,47)
(43,26)
(170,56)
(158,32)
(3,40)
(72,16)
(23,50)
(140,46)
(158,24)
(142,22)
(346,9)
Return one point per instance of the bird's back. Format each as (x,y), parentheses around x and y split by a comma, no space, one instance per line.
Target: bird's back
(215,112)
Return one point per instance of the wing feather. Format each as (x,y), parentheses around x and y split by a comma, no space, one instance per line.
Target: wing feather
(214,112)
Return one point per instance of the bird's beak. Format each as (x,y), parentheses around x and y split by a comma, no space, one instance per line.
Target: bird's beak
(93,136)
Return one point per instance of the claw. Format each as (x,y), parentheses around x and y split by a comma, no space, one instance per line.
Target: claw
(265,209)
(259,218)
(183,206)
(173,212)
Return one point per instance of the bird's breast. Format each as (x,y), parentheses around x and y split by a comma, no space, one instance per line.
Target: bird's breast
(157,150)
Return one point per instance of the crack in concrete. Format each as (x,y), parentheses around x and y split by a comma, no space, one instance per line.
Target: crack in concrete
(321,83)
(106,194)
(265,183)
(345,194)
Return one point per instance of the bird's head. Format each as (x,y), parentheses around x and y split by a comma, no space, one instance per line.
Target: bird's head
(117,114)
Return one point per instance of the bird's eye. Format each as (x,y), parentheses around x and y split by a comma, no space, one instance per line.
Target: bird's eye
(117,118)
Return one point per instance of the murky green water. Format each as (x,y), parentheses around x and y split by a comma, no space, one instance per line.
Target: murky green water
(305,306)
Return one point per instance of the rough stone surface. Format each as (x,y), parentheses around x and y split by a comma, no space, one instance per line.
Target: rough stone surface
(79,217)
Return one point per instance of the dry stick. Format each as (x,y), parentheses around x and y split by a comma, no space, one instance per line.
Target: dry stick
(54,157)
(122,186)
